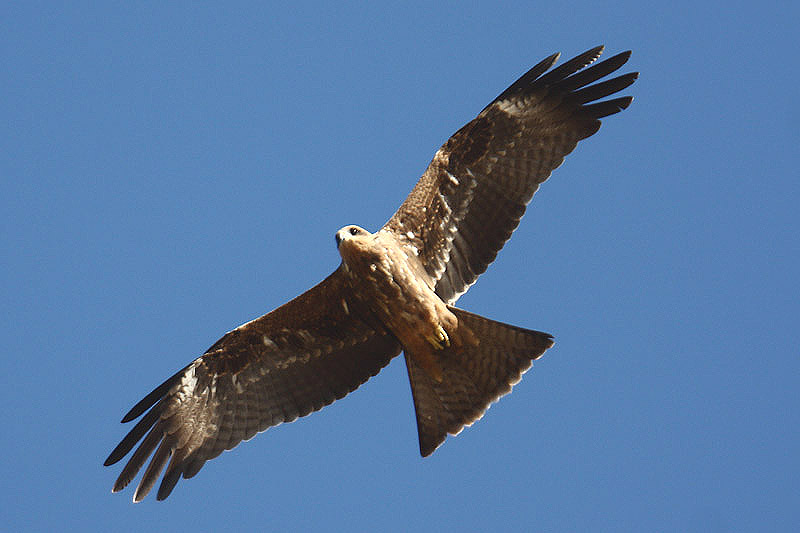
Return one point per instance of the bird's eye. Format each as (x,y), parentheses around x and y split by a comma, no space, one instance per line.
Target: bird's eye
(354,231)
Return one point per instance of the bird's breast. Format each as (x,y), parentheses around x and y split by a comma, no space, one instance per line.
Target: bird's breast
(390,280)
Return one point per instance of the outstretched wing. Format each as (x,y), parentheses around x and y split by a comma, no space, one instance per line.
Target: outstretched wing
(286,364)
(475,190)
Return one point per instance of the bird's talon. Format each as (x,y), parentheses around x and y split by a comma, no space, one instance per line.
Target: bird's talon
(439,338)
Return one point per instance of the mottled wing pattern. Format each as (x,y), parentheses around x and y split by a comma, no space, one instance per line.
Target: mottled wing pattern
(286,364)
(476,188)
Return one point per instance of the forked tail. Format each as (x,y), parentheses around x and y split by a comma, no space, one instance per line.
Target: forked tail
(472,376)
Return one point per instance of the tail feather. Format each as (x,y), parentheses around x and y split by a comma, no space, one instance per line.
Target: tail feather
(473,376)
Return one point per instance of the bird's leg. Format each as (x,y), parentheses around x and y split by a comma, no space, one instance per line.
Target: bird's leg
(438,338)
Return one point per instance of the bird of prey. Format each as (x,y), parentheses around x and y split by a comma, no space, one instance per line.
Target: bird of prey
(394,291)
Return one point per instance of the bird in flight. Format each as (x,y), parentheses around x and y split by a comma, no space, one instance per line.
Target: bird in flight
(395,290)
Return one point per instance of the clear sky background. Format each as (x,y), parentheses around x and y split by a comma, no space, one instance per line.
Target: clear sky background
(167,173)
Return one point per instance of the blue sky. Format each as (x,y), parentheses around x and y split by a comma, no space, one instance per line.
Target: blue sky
(168,173)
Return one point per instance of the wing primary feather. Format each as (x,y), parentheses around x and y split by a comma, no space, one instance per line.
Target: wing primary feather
(570,67)
(168,483)
(132,437)
(149,400)
(603,89)
(526,79)
(173,474)
(609,107)
(193,466)
(153,470)
(138,459)
(595,72)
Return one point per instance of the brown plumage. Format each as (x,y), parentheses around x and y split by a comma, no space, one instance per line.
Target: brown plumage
(394,291)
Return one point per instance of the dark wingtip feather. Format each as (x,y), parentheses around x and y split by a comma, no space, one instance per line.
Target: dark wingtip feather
(603,89)
(119,485)
(168,483)
(150,476)
(595,72)
(610,107)
(542,66)
(156,394)
(622,57)
(138,458)
(528,78)
(133,436)
(192,467)
(570,67)
(573,77)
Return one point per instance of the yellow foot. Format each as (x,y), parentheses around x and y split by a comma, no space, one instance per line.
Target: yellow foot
(439,338)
